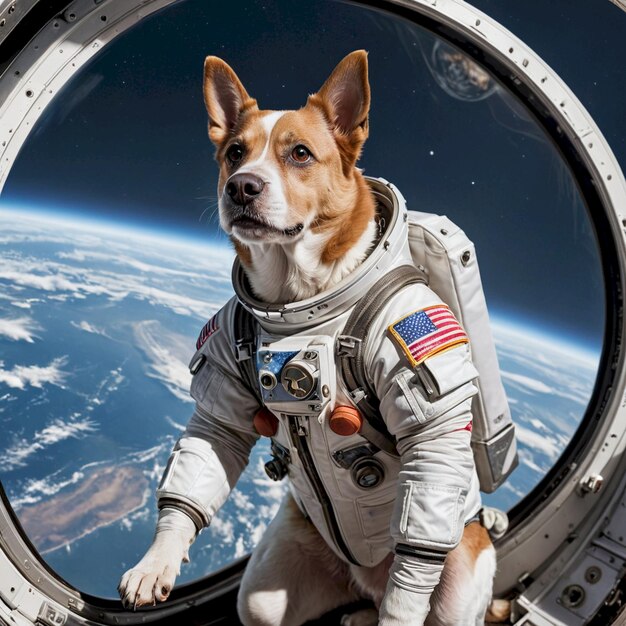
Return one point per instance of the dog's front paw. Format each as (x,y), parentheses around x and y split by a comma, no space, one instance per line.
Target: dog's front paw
(149,582)
(152,579)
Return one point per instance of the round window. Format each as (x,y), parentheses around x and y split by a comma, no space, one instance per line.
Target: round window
(112,261)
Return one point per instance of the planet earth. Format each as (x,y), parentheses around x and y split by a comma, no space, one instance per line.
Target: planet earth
(98,322)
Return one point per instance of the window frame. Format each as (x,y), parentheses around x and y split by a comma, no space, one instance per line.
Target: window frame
(32,42)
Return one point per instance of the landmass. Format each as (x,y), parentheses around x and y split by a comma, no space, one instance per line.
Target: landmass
(103,497)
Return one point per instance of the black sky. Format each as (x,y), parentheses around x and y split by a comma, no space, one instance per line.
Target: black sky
(126,139)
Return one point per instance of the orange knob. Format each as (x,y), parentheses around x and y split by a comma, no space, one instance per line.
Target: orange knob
(345,421)
(265,423)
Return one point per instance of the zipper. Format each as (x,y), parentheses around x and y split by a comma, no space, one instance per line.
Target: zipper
(298,432)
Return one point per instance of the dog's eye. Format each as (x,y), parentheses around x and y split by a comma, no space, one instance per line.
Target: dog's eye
(235,153)
(300,154)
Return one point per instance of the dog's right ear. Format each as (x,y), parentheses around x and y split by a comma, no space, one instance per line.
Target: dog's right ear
(225,98)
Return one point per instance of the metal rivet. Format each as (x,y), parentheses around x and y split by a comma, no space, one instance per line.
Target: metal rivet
(325,391)
(573,596)
(465,257)
(267,357)
(444,231)
(593,574)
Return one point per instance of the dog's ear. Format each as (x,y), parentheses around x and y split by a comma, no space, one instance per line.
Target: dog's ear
(345,99)
(225,98)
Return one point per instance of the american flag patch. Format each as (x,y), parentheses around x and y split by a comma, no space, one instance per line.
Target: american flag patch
(208,329)
(426,332)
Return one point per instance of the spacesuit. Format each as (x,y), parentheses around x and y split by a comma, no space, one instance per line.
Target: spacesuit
(365,502)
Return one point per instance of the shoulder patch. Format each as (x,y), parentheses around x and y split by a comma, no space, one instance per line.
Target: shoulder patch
(208,329)
(426,332)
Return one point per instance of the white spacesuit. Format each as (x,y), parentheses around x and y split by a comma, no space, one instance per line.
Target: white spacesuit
(364,501)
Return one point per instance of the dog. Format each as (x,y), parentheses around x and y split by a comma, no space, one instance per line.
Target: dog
(301,218)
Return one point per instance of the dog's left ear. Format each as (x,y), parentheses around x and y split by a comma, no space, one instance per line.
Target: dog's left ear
(345,99)
(225,98)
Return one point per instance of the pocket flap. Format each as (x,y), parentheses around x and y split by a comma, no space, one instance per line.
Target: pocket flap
(451,369)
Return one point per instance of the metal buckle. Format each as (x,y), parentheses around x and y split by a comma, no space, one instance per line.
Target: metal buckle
(348,346)
(195,366)
(358,395)
(243,351)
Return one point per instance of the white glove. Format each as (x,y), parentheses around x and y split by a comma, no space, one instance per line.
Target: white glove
(411,583)
(152,579)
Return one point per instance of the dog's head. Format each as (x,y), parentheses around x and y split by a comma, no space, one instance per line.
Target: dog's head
(284,174)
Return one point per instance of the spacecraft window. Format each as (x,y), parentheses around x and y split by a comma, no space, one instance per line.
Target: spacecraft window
(112,261)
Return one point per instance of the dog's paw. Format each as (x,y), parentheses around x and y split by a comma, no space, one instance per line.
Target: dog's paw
(147,583)
(499,611)
(494,520)
(364,617)
(152,579)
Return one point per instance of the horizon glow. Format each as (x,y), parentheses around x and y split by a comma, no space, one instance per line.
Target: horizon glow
(501,320)
(99,224)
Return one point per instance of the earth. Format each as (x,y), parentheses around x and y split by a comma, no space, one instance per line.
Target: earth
(97,325)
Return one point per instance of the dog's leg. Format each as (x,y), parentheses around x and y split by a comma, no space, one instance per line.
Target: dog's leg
(293,576)
(464,592)
(152,579)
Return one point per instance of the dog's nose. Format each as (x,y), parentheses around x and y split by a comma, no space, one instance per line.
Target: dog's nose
(243,188)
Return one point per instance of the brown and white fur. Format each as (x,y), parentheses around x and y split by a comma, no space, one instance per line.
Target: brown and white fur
(301,218)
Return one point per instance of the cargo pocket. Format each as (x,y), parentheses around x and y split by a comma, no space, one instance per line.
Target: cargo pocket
(451,374)
(375,513)
(450,369)
(205,386)
(429,515)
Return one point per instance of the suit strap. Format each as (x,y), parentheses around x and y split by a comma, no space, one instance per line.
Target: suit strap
(351,349)
(245,348)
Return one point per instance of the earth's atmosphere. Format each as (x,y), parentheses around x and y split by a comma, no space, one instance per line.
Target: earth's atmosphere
(97,325)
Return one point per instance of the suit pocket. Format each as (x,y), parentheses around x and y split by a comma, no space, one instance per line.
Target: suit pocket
(375,513)
(205,386)
(429,515)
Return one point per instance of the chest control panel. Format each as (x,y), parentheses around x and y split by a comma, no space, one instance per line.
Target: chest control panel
(296,374)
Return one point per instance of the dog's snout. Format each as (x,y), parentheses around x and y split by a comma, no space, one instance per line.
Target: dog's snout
(243,188)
